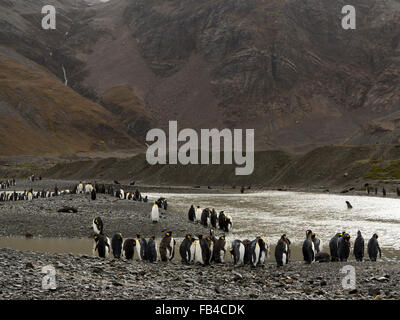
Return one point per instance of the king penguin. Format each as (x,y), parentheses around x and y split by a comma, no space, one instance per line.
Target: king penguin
(308,248)
(155,215)
(317,243)
(191,213)
(359,247)
(141,244)
(257,251)
(116,245)
(282,251)
(333,247)
(184,249)
(373,248)
(151,249)
(167,247)
(219,250)
(198,213)
(205,215)
(213,218)
(344,247)
(206,245)
(97,225)
(102,246)
(128,249)
(237,250)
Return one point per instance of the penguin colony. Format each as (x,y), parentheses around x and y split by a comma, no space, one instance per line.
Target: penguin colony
(30,194)
(193,250)
(210,218)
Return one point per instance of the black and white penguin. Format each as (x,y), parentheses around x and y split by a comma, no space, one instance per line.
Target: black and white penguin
(373,248)
(247,251)
(358,250)
(93,195)
(322,257)
(219,250)
(184,249)
(102,246)
(317,242)
(116,245)
(205,217)
(198,213)
(221,220)
(192,214)
(128,249)
(141,245)
(344,247)
(155,215)
(228,225)
(167,247)
(151,250)
(206,245)
(258,252)
(213,218)
(282,251)
(237,250)
(97,225)
(349,206)
(333,246)
(308,248)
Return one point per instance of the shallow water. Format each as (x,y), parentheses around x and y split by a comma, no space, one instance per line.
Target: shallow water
(273,213)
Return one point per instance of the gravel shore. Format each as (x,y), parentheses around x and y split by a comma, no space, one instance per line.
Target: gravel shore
(84,277)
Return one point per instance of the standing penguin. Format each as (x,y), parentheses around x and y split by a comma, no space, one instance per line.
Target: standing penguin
(93,195)
(221,220)
(308,248)
(192,214)
(317,243)
(237,250)
(206,250)
(97,225)
(205,217)
(258,252)
(167,247)
(128,249)
(198,213)
(219,250)
(101,246)
(184,249)
(213,218)
(344,247)
(333,246)
(358,250)
(116,245)
(151,250)
(282,251)
(228,224)
(373,248)
(155,215)
(141,245)
(349,206)
(247,251)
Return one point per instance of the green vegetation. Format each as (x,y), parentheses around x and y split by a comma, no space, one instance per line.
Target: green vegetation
(384,171)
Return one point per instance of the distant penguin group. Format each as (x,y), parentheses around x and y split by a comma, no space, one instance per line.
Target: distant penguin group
(210,218)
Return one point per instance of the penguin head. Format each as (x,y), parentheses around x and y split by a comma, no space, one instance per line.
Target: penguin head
(359,233)
(283,237)
(153,238)
(222,237)
(188,236)
(168,234)
(200,236)
(376,235)
(96,237)
(120,237)
(138,236)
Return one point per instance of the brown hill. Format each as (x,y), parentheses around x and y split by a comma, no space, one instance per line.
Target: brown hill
(40,115)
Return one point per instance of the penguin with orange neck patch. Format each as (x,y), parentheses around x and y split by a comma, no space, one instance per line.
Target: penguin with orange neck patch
(167,247)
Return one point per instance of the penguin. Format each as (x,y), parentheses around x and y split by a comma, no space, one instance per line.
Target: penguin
(205,217)
(349,206)
(333,246)
(322,257)
(198,254)
(258,252)
(228,224)
(192,214)
(184,249)
(192,250)
(30,196)
(373,248)
(116,245)
(237,250)
(221,220)
(97,225)
(79,189)
(317,242)
(282,251)
(141,245)
(247,251)
(308,248)
(344,247)
(101,246)
(219,250)
(358,250)
(155,215)
(206,245)
(128,249)
(213,218)
(151,250)
(93,195)
(167,247)
(198,213)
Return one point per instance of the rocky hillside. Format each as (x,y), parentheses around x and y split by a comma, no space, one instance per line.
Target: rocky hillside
(285,68)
